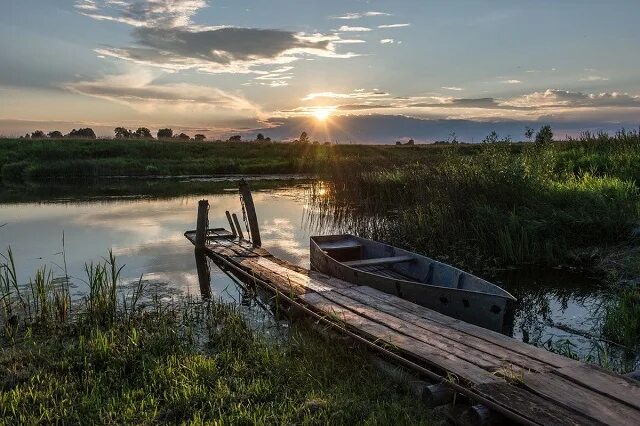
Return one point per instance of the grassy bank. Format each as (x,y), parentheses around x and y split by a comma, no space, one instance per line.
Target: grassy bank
(116,358)
(44,159)
(549,203)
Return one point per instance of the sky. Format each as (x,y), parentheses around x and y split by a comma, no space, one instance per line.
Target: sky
(347,71)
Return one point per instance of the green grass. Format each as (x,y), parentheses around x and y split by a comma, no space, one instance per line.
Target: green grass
(44,159)
(119,358)
(501,205)
(622,318)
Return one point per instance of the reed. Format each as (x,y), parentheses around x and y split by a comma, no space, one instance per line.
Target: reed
(504,204)
(132,359)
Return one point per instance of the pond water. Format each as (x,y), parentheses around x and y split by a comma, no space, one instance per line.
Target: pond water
(143,223)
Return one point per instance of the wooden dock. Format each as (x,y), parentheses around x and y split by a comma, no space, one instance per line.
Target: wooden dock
(525,384)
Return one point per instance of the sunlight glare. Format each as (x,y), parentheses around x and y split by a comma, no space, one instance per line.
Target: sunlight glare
(322,113)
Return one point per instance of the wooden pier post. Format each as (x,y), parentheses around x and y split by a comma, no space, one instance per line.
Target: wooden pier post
(202,223)
(254,228)
(204,273)
(437,395)
(237,222)
(233,229)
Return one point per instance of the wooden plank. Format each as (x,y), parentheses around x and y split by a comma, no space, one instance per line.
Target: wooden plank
(287,286)
(379,261)
(460,338)
(604,382)
(531,406)
(592,404)
(482,359)
(493,337)
(329,280)
(375,331)
(285,277)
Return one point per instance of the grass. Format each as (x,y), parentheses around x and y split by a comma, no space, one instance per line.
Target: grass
(502,205)
(45,159)
(121,358)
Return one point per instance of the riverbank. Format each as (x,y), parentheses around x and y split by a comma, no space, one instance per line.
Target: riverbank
(47,159)
(129,358)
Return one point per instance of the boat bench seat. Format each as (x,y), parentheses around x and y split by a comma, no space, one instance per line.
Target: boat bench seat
(380,261)
(340,245)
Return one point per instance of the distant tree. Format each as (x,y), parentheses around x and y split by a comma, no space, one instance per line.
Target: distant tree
(184,137)
(491,137)
(122,133)
(528,132)
(199,137)
(55,134)
(86,133)
(27,136)
(304,138)
(453,138)
(235,138)
(267,139)
(544,135)
(143,133)
(38,134)
(398,143)
(260,137)
(165,134)
(411,142)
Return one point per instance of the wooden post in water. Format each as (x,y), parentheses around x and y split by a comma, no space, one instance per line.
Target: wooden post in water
(233,229)
(202,223)
(204,273)
(238,227)
(245,193)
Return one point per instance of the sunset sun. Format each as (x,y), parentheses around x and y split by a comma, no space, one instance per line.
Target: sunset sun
(322,114)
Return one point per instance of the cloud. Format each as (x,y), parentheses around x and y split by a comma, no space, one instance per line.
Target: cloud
(393,25)
(594,78)
(165,36)
(387,41)
(348,29)
(553,98)
(138,90)
(457,89)
(350,16)
(356,94)
(143,13)
(511,81)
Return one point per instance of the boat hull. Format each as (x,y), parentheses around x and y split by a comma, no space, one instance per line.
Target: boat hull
(490,311)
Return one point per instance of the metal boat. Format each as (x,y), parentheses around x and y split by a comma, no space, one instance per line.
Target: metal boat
(413,277)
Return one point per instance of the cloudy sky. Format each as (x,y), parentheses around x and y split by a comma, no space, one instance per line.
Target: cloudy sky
(344,70)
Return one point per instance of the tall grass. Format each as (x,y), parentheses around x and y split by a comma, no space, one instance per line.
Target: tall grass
(505,204)
(117,360)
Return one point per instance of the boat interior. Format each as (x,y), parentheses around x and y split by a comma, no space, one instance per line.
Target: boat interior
(394,263)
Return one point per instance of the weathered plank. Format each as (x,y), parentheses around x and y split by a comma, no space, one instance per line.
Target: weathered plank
(531,406)
(592,404)
(284,277)
(470,341)
(483,360)
(434,357)
(495,338)
(613,385)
